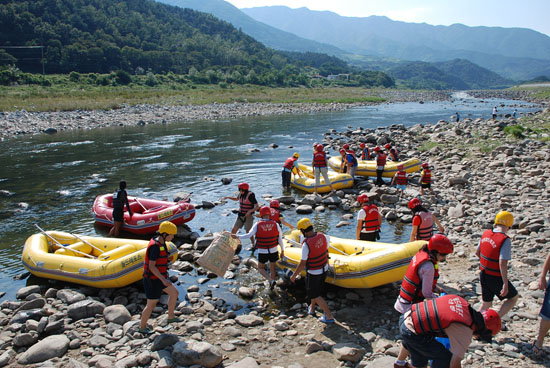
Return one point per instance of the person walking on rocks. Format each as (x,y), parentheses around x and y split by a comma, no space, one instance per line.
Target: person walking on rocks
(369,220)
(449,315)
(319,164)
(494,252)
(400,180)
(381,158)
(392,152)
(343,161)
(268,235)
(420,281)
(290,165)
(120,199)
(155,275)
(247,206)
(457,117)
(276,215)
(365,152)
(426,179)
(315,260)
(545,309)
(495,113)
(351,161)
(423,221)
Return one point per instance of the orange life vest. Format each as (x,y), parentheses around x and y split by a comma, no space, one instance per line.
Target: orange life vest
(401,178)
(427,176)
(371,221)
(275,215)
(318,252)
(381,159)
(289,163)
(267,234)
(425,229)
(161,262)
(394,155)
(245,204)
(411,287)
(489,252)
(319,159)
(433,316)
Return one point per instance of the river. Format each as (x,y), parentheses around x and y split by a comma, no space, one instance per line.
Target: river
(58,176)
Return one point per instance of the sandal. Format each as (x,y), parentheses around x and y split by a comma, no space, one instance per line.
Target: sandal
(325,320)
(175,319)
(536,350)
(145,331)
(311,312)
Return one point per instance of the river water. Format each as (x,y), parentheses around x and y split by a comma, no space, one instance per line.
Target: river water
(59,176)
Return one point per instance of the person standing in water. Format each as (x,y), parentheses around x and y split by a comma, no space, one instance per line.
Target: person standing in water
(247,206)
(120,199)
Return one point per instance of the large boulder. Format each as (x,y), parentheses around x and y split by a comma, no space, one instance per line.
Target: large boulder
(117,314)
(164,340)
(389,198)
(304,209)
(69,296)
(203,242)
(85,309)
(196,353)
(26,291)
(51,347)
(249,320)
(348,352)
(286,199)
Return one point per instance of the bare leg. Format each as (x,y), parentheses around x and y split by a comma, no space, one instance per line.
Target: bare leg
(485,306)
(151,304)
(272,271)
(403,353)
(172,299)
(543,330)
(324,306)
(262,271)
(507,306)
(115,230)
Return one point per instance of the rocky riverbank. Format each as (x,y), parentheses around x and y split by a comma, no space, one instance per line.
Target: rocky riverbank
(478,169)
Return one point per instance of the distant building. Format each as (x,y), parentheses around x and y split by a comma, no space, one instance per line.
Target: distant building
(338,77)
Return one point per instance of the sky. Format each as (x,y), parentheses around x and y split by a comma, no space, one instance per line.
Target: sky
(534,14)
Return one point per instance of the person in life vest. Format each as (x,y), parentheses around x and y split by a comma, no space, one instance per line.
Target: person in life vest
(343,162)
(448,315)
(400,180)
(380,158)
(494,252)
(365,151)
(426,179)
(120,198)
(320,167)
(423,221)
(544,310)
(268,235)
(155,275)
(315,260)
(392,152)
(351,161)
(369,220)
(247,206)
(290,166)
(276,215)
(420,281)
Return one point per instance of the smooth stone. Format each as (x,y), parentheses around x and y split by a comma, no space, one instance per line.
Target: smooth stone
(249,320)
(200,353)
(117,314)
(247,362)
(51,347)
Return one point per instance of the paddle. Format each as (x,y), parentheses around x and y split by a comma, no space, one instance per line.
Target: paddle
(142,206)
(86,242)
(330,246)
(61,245)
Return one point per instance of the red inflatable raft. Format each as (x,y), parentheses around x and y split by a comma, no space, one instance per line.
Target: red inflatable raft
(147,214)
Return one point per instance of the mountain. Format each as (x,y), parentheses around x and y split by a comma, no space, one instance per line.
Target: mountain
(268,35)
(474,76)
(514,52)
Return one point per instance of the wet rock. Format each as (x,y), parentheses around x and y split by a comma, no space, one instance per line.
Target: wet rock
(203,242)
(246,292)
(117,314)
(226,181)
(342,223)
(200,353)
(249,320)
(304,209)
(288,200)
(182,196)
(50,131)
(26,291)
(208,204)
(23,316)
(51,347)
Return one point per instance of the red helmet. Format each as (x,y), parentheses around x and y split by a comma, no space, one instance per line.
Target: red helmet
(265,211)
(362,145)
(362,198)
(376,149)
(274,204)
(425,165)
(440,243)
(345,146)
(415,202)
(342,150)
(319,147)
(387,146)
(400,167)
(243,186)
(492,321)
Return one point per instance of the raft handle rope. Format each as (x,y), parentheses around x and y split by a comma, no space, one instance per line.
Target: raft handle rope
(61,245)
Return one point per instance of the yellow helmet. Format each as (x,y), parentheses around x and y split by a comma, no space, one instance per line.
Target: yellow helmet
(304,224)
(504,218)
(296,155)
(168,228)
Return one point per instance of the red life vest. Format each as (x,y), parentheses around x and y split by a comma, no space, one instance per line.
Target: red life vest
(425,229)
(365,154)
(161,262)
(275,215)
(244,204)
(267,234)
(371,221)
(319,159)
(289,163)
(427,176)
(433,316)
(394,155)
(401,178)
(411,287)
(489,252)
(318,252)
(381,159)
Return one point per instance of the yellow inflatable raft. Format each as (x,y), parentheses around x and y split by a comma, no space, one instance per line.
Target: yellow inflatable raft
(356,263)
(368,168)
(307,181)
(86,260)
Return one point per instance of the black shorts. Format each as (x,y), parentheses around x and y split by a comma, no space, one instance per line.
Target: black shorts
(153,288)
(315,285)
(118,214)
(268,257)
(368,236)
(492,285)
(426,185)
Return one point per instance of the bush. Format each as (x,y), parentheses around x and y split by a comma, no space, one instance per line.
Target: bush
(515,130)
(74,76)
(151,80)
(123,77)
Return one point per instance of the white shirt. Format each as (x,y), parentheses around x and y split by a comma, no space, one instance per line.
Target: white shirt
(305,255)
(253,231)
